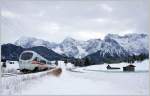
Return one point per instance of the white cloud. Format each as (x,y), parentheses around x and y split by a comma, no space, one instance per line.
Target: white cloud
(128,31)
(54,21)
(107,7)
(58,7)
(41,13)
(49,27)
(86,35)
(8,14)
(100,20)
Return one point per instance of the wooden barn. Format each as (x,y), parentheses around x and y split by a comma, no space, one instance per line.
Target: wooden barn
(109,67)
(129,68)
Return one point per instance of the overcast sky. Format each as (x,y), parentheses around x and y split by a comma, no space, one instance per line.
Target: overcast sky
(82,20)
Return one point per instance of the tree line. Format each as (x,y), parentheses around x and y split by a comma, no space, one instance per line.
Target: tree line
(88,61)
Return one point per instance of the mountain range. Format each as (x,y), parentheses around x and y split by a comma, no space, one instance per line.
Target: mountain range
(112,43)
(113,48)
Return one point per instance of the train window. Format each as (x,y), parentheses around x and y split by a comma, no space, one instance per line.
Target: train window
(11,62)
(48,62)
(35,59)
(42,61)
(26,56)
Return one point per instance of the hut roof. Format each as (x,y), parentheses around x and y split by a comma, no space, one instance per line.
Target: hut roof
(131,65)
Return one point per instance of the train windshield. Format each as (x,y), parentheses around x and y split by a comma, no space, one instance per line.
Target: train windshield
(26,56)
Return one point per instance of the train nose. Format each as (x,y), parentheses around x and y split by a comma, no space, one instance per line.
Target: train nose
(20,62)
(23,64)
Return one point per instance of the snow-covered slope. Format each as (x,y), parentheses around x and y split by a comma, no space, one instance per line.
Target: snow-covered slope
(111,47)
(79,49)
(28,42)
(69,47)
(112,44)
(110,51)
(133,43)
(93,45)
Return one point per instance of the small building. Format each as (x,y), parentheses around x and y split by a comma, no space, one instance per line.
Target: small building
(129,68)
(109,67)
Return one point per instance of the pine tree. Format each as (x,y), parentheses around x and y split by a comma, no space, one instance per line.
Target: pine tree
(65,61)
(87,62)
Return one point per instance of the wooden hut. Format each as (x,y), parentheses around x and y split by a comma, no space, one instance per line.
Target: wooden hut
(129,68)
(109,67)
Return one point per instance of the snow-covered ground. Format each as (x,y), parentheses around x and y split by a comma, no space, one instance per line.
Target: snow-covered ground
(84,82)
(11,68)
(140,66)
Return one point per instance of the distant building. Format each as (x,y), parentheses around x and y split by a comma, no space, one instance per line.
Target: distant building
(129,68)
(109,67)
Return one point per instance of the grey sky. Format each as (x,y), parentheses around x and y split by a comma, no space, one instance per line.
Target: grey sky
(82,20)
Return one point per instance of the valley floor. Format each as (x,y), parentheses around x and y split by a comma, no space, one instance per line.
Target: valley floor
(93,83)
(85,82)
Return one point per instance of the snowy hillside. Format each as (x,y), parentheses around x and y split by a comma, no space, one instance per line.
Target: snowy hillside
(131,43)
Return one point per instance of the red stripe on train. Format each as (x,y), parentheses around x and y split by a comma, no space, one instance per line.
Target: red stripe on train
(36,62)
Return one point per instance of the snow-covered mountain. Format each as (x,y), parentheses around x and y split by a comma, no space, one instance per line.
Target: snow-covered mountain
(76,48)
(28,42)
(132,43)
(69,47)
(112,47)
(112,44)
(110,51)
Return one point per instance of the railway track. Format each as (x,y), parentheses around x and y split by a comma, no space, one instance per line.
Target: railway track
(8,74)
(27,73)
(16,74)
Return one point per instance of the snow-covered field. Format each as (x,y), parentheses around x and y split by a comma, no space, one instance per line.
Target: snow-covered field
(81,81)
(140,66)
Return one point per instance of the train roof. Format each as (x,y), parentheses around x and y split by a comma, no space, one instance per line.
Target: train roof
(34,53)
(46,53)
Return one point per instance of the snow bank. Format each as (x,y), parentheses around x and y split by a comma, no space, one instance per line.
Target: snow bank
(13,84)
(11,68)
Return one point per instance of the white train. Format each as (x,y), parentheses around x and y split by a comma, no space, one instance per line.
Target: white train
(31,61)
